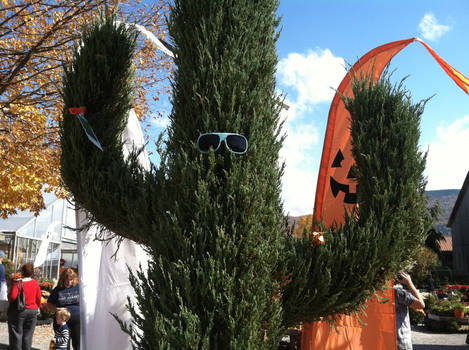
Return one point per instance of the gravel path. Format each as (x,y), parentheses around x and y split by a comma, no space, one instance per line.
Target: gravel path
(422,339)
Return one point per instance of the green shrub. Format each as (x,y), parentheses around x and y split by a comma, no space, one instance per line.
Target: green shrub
(452,326)
(9,266)
(223,273)
(430,301)
(456,305)
(442,326)
(446,307)
(416,317)
(425,259)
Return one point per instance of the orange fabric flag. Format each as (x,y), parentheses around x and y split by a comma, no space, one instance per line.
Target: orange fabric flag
(336,192)
(459,79)
(379,333)
(334,189)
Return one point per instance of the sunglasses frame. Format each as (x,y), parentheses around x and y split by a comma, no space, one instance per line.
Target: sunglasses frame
(222,136)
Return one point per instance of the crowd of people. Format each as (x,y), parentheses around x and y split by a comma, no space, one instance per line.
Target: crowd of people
(24,302)
(24,299)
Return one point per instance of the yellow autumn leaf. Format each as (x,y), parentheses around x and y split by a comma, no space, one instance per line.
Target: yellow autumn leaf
(30,104)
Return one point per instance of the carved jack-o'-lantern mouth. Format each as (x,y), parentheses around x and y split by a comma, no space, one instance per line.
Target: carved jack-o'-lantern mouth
(336,186)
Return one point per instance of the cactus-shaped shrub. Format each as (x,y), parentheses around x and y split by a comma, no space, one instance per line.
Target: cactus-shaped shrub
(225,273)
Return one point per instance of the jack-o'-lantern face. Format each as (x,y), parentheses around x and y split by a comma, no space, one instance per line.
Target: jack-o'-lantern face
(337,186)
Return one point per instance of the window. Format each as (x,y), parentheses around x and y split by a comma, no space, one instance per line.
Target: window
(26,250)
(70,221)
(7,243)
(57,219)
(70,258)
(50,268)
(29,229)
(43,221)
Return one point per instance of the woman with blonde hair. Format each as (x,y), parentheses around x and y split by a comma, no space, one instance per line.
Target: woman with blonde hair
(67,295)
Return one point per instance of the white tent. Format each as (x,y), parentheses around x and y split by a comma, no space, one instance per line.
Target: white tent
(104,283)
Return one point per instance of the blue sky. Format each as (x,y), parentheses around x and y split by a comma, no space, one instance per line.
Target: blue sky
(320,37)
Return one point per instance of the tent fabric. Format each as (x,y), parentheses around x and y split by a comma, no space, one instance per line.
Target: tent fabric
(42,252)
(335,193)
(166,49)
(104,283)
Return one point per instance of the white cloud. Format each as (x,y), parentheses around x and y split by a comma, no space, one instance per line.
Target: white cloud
(313,75)
(299,187)
(431,29)
(300,176)
(447,161)
(299,142)
(160,122)
(310,79)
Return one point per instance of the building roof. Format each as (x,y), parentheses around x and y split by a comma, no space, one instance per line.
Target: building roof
(14,222)
(446,244)
(459,200)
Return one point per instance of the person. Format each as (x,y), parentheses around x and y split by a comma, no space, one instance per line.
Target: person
(67,295)
(430,283)
(61,331)
(405,295)
(21,324)
(3,288)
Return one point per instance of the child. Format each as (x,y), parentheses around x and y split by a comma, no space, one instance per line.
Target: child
(62,333)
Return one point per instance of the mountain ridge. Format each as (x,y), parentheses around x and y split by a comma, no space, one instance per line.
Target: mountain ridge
(446,199)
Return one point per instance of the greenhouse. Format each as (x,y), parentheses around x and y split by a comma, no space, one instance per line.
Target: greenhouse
(21,236)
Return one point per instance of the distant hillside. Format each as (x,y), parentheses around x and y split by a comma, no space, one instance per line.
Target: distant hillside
(293,220)
(446,198)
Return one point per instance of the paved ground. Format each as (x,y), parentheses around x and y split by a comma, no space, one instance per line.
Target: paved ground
(42,336)
(422,339)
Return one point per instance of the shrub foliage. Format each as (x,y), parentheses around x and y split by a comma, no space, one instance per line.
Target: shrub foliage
(225,273)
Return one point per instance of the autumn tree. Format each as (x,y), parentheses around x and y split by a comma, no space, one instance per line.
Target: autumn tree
(425,260)
(36,41)
(304,225)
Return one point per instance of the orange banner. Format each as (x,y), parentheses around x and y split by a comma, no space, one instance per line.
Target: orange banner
(334,188)
(336,192)
(379,333)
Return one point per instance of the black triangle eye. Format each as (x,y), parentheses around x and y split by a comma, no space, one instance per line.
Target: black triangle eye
(352,174)
(338,160)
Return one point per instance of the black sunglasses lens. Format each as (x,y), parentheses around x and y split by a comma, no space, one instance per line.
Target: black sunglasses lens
(236,143)
(207,141)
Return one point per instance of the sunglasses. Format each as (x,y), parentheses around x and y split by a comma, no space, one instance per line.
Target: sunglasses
(235,143)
